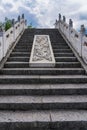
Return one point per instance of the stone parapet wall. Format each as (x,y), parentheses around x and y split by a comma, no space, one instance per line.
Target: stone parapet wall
(10,36)
(78,40)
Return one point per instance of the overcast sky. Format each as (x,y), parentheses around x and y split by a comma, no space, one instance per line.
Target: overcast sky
(42,13)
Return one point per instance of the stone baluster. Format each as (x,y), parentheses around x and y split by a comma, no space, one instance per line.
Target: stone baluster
(64,19)
(23,21)
(56,22)
(22,16)
(70,23)
(13,24)
(19,18)
(70,27)
(2,41)
(82,30)
(82,33)
(59,17)
(59,20)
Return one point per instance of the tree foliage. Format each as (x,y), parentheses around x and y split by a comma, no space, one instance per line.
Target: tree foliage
(8,24)
(30,25)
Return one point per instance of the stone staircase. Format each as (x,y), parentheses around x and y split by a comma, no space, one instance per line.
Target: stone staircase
(43,98)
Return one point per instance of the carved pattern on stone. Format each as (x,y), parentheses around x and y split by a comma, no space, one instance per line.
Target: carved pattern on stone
(41,49)
(42,53)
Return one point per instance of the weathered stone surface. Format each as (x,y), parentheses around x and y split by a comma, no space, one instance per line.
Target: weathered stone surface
(42,53)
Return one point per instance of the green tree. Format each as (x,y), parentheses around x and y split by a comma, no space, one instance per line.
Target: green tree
(30,25)
(8,24)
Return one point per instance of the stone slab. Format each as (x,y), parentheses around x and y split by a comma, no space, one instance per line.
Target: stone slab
(42,53)
(24,116)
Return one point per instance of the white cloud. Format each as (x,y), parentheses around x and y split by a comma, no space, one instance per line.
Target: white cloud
(46,11)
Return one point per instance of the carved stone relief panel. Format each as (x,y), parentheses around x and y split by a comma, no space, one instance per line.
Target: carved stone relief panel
(42,53)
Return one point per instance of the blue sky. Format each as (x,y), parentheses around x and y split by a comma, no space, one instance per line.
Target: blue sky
(42,13)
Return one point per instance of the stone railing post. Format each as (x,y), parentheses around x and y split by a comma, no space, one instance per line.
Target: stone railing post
(70,26)
(82,33)
(23,21)
(2,42)
(56,22)
(59,21)
(13,24)
(64,21)
(19,19)
(70,23)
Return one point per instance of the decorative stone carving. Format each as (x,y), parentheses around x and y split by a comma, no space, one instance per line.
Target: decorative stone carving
(42,53)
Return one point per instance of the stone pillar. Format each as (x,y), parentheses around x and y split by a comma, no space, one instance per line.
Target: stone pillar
(64,19)
(2,42)
(82,30)
(22,16)
(56,22)
(70,26)
(70,23)
(13,24)
(19,18)
(59,21)
(59,17)
(23,21)
(82,33)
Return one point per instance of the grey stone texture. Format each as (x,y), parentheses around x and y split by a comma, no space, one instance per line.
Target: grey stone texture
(43,98)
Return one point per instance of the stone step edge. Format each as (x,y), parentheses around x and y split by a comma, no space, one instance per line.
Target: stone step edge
(42,69)
(43,99)
(71,116)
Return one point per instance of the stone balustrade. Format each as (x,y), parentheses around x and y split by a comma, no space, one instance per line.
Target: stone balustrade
(78,40)
(9,37)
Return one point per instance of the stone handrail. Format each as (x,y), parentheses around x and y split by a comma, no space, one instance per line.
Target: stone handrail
(78,40)
(9,37)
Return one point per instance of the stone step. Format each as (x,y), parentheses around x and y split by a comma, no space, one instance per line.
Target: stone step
(58,64)
(22,50)
(65,59)
(26,41)
(62,50)
(54,50)
(42,71)
(60,47)
(59,43)
(23,47)
(19,59)
(23,43)
(68,64)
(63,54)
(43,102)
(39,120)
(17,54)
(55,40)
(59,89)
(54,47)
(37,79)
(58,59)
